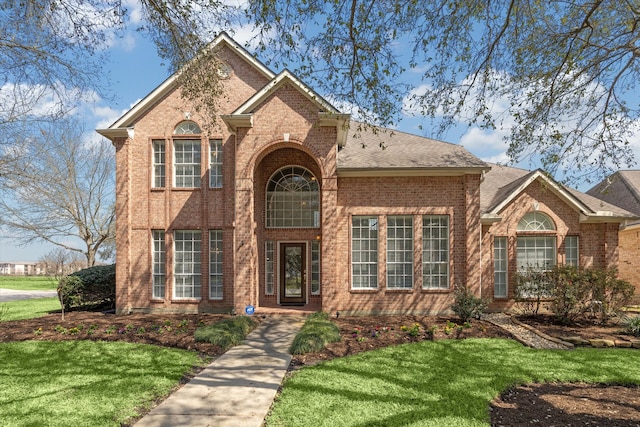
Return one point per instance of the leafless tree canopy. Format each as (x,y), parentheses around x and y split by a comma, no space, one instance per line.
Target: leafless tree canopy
(62,191)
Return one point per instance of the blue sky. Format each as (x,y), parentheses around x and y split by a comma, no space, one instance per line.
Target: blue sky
(135,70)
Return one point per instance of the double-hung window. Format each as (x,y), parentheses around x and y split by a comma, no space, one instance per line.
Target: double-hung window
(159,257)
(187,264)
(364,252)
(186,162)
(435,252)
(400,252)
(572,254)
(215,264)
(159,163)
(500,270)
(215,163)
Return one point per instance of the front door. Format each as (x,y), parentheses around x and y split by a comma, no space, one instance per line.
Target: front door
(292,273)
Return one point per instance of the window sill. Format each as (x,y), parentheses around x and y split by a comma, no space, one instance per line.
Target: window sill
(364,291)
(399,291)
(185,300)
(435,291)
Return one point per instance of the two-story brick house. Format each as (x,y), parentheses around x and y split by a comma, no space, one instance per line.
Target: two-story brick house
(287,203)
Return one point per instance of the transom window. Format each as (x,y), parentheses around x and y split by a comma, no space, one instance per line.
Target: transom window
(187,128)
(293,199)
(535,221)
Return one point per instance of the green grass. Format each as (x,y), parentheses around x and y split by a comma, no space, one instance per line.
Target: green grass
(27,309)
(442,383)
(28,283)
(85,383)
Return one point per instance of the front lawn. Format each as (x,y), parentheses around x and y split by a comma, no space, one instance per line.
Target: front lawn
(28,309)
(441,383)
(29,283)
(74,383)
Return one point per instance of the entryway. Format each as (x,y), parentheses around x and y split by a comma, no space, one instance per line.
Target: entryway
(292,273)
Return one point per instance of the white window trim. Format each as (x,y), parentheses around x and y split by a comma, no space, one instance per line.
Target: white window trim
(158,237)
(158,164)
(196,275)
(567,239)
(374,224)
(407,254)
(505,259)
(215,164)
(446,262)
(195,164)
(216,262)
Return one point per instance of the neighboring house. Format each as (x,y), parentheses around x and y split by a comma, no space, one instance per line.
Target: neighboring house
(287,203)
(623,189)
(20,268)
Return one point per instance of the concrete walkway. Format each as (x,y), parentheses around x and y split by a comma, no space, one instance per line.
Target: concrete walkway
(7,295)
(237,389)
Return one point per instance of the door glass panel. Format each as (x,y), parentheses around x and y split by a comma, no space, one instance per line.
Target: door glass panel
(293,271)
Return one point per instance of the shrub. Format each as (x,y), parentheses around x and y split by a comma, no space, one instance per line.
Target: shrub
(226,333)
(466,305)
(571,293)
(609,293)
(93,287)
(532,287)
(315,334)
(632,326)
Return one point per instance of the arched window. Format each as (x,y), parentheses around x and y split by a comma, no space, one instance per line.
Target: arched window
(535,221)
(536,252)
(187,127)
(186,156)
(293,199)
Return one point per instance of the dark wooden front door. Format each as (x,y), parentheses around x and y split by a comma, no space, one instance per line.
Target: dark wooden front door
(292,273)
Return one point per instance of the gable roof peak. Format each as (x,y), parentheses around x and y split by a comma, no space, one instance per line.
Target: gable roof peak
(122,126)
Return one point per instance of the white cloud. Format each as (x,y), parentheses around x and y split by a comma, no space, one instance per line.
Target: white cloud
(489,145)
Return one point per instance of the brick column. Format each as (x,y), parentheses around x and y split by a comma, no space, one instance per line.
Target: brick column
(245,280)
(123,224)
(328,247)
(472,219)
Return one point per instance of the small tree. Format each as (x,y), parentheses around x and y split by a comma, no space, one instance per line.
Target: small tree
(466,305)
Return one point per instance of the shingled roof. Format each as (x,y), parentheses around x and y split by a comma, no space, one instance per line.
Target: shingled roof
(622,189)
(502,184)
(378,150)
